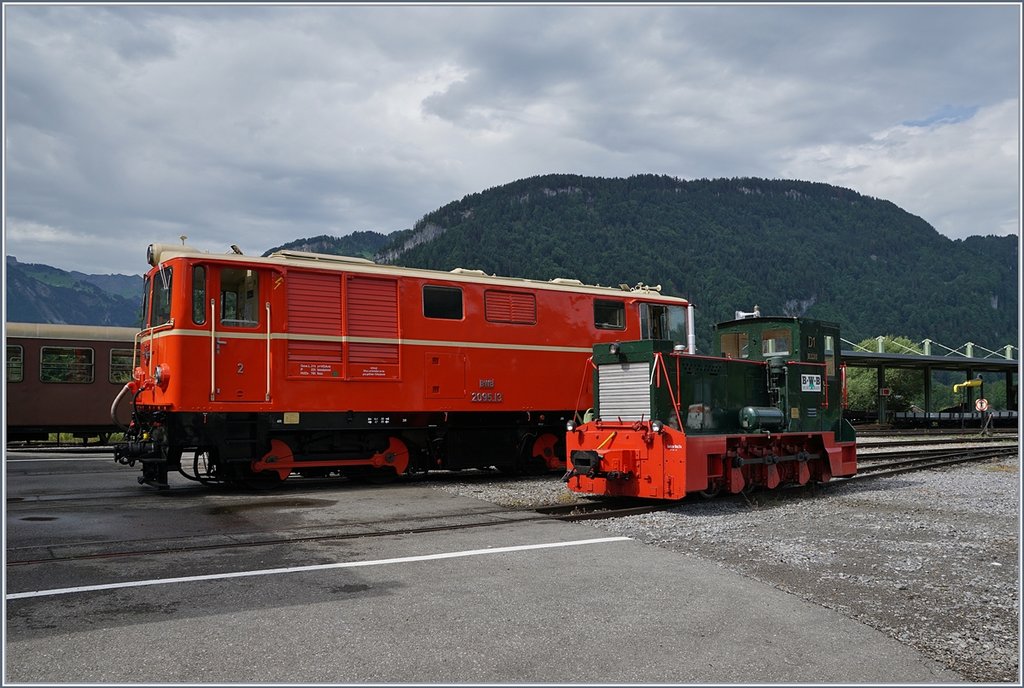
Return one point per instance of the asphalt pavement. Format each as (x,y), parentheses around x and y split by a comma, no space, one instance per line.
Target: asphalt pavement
(349,584)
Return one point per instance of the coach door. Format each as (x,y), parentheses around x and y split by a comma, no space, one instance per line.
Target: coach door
(240,334)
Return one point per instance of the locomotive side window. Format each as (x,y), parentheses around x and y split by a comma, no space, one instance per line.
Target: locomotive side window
(66,364)
(735,345)
(199,295)
(609,315)
(121,365)
(776,342)
(663,322)
(15,363)
(239,298)
(442,302)
(513,307)
(830,356)
(161,298)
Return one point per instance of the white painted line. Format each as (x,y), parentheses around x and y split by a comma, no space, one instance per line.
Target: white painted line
(80,458)
(301,569)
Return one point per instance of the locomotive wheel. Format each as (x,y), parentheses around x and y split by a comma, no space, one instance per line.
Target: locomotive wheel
(713,492)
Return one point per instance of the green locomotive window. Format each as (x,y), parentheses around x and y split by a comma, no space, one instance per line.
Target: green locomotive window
(735,345)
(830,356)
(442,302)
(609,315)
(67,364)
(199,295)
(161,297)
(776,342)
(15,363)
(121,365)
(239,298)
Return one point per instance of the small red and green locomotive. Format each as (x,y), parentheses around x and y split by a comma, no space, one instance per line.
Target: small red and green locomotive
(765,410)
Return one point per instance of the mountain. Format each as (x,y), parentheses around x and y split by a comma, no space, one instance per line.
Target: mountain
(356,244)
(42,294)
(790,247)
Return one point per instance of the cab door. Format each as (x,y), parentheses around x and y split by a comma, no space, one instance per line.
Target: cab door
(241,336)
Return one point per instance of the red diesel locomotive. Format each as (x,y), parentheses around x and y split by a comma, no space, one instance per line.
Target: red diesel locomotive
(319,364)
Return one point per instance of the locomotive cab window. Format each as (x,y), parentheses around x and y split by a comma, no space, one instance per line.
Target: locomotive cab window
(609,315)
(776,342)
(66,364)
(161,297)
(199,295)
(735,345)
(239,298)
(830,356)
(442,302)
(15,363)
(663,322)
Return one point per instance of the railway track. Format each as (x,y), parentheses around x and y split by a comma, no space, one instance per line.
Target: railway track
(876,465)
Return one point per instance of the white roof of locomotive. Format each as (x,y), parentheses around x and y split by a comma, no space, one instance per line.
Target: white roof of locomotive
(161,253)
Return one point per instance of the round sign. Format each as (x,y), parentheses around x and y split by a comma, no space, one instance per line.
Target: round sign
(981,404)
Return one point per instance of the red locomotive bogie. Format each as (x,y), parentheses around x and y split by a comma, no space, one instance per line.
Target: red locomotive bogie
(319,363)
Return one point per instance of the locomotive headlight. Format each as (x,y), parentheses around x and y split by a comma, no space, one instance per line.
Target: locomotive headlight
(614,348)
(162,376)
(570,426)
(657,426)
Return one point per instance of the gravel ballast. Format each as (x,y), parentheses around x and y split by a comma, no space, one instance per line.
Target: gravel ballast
(930,558)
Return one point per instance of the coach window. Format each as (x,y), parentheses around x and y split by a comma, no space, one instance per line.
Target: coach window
(775,342)
(199,295)
(15,363)
(121,365)
(609,315)
(239,298)
(66,364)
(442,302)
(161,297)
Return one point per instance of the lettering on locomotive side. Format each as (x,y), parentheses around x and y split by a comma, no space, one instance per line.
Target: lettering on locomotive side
(486,397)
(487,383)
(810,383)
(316,370)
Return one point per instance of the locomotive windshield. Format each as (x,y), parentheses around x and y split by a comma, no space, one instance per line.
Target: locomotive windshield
(156,291)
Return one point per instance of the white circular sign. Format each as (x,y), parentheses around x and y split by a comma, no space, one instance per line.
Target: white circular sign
(981,404)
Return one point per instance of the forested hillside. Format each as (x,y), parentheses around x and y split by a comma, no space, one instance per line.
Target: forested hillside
(790,247)
(43,294)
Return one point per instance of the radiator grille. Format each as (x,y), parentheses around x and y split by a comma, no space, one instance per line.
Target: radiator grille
(624,391)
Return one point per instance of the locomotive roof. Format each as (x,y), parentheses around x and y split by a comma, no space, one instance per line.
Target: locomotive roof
(76,332)
(772,319)
(161,253)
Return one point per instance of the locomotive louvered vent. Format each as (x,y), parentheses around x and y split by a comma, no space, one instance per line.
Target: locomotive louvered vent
(624,391)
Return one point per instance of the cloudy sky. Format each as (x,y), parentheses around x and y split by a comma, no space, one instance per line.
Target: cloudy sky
(257,125)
